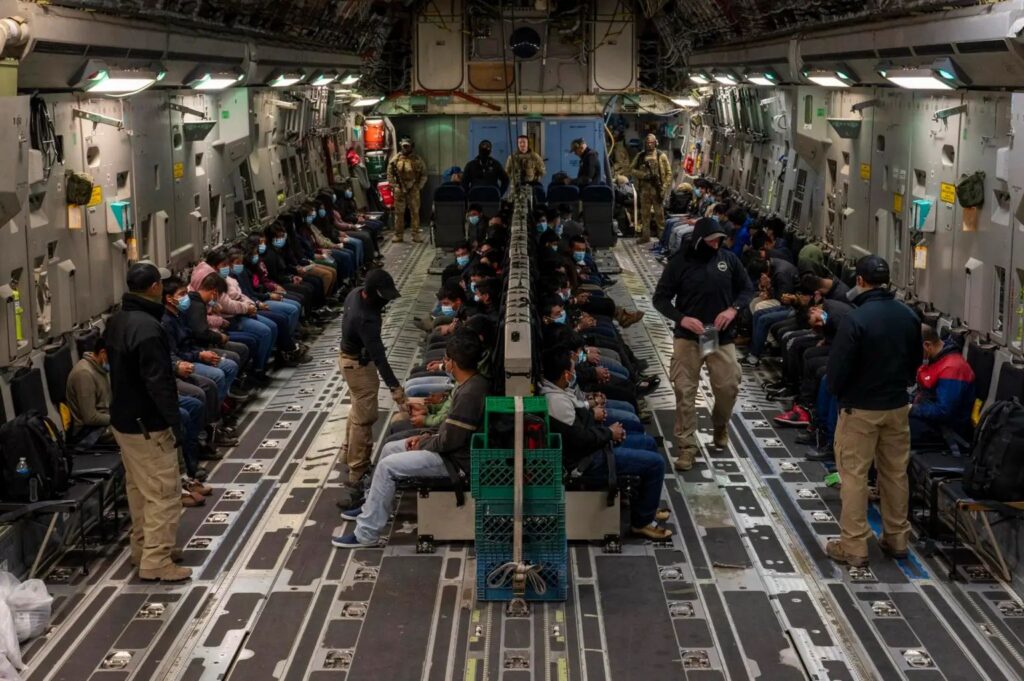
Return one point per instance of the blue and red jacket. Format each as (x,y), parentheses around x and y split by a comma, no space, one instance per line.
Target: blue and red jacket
(945,391)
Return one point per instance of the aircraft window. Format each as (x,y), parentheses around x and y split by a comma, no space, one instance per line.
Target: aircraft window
(124,192)
(880,143)
(176,138)
(998,317)
(92,156)
(920,179)
(948,154)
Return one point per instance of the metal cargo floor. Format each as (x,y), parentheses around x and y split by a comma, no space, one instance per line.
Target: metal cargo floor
(744,590)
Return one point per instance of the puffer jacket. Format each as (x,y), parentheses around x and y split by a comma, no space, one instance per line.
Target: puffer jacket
(228,305)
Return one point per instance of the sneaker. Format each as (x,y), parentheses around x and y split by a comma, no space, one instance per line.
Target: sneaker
(835,551)
(750,361)
(784,393)
(797,416)
(352,513)
(824,454)
(350,541)
(169,573)
(807,437)
(652,532)
(239,395)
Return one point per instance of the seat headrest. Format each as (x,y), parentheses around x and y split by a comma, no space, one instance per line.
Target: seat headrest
(449,193)
(484,194)
(596,192)
(563,193)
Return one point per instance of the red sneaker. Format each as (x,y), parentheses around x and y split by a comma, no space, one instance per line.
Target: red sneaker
(797,416)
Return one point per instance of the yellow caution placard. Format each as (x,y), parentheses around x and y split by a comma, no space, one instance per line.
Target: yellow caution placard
(865,171)
(897,203)
(179,170)
(920,257)
(947,192)
(97,196)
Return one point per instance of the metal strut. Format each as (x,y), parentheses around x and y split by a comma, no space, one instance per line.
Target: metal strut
(518,607)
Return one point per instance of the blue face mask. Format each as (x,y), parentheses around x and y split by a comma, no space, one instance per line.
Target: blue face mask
(447,310)
(261,249)
(824,317)
(572,381)
(554,248)
(106,367)
(334,197)
(322,212)
(474,219)
(462,260)
(472,286)
(560,319)
(558,230)
(224,272)
(310,218)
(184,303)
(348,193)
(564,295)
(254,259)
(579,256)
(696,193)
(280,241)
(581,358)
(237,268)
(542,227)
(476,297)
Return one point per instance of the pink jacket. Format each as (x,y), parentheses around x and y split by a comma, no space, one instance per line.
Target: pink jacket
(231,304)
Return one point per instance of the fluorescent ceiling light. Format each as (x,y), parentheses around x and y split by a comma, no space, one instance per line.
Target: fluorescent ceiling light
(98,77)
(942,74)
(919,82)
(367,101)
(760,80)
(286,78)
(840,76)
(827,81)
(322,78)
(765,77)
(726,79)
(700,79)
(350,79)
(685,102)
(211,79)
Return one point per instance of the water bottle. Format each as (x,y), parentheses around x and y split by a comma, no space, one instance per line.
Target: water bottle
(24,477)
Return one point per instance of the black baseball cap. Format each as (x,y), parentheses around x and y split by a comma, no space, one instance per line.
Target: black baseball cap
(705,228)
(380,283)
(142,276)
(873,269)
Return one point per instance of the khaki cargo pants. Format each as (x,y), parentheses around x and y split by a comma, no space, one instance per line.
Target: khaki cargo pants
(881,437)
(402,200)
(684,373)
(650,206)
(153,487)
(363,384)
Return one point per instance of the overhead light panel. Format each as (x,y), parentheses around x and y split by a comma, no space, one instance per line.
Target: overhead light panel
(322,78)
(942,74)
(367,101)
(286,78)
(841,76)
(99,77)
(726,78)
(700,78)
(685,102)
(350,79)
(212,79)
(766,77)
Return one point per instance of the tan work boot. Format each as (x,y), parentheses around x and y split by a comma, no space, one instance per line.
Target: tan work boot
(176,556)
(643,239)
(417,238)
(626,319)
(684,461)
(397,239)
(722,436)
(652,532)
(835,551)
(168,573)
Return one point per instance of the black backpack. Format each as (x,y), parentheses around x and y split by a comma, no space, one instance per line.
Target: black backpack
(35,464)
(995,470)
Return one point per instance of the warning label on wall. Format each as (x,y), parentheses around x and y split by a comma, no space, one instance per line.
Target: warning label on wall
(865,171)
(947,192)
(97,196)
(179,170)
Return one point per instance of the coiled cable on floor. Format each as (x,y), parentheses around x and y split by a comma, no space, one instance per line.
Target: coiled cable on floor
(504,576)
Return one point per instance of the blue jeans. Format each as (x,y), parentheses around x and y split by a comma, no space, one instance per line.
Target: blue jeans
(763,320)
(639,441)
(191,411)
(826,413)
(648,465)
(264,333)
(428,385)
(629,420)
(251,343)
(291,310)
(356,246)
(389,469)
(619,405)
(345,261)
(224,375)
(614,367)
(282,335)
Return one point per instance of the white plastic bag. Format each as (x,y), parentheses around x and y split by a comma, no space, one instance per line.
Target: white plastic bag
(9,648)
(30,606)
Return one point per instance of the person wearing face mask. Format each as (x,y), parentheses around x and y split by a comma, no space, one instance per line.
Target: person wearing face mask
(444,454)
(484,171)
(146,423)
(257,285)
(345,205)
(476,226)
(289,353)
(283,270)
(88,399)
(703,286)
(364,362)
(407,174)
(463,259)
(585,442)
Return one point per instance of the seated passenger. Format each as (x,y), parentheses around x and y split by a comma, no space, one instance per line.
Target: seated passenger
(584,443)
(239,348)
(463,258)
(945,393)
(782,279)
(88,397)
(437,455)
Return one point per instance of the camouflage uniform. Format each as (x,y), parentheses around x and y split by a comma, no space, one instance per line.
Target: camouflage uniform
(653,176)
(529,165)
(620,158)
(407,174)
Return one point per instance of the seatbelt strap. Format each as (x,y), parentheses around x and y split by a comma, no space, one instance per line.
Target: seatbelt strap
(519,579)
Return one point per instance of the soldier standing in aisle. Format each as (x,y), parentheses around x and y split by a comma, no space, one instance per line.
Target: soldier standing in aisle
(653,176)
(407,174)
(525,166)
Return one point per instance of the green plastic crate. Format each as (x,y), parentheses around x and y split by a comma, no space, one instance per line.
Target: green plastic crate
(492,471)
(507,405)
(543,526)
